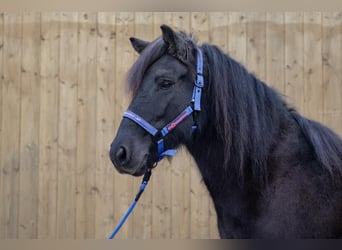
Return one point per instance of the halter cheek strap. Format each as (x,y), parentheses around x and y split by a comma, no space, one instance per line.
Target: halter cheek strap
(197,92)
(195,105)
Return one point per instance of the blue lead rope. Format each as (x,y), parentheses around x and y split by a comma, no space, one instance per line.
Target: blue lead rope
(131,207)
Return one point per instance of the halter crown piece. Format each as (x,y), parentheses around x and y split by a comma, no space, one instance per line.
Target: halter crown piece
(159,134)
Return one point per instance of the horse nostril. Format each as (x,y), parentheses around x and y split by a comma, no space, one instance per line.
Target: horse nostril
(121,155)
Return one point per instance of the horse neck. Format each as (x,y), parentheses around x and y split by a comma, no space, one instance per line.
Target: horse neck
(239,163)
(207,151)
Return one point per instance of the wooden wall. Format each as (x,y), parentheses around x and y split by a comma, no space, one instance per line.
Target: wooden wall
(61,100)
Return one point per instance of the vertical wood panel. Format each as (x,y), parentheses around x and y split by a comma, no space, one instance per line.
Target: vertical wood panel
(86,127)
(275,51)
(238,36)
(294,88)
(48,125)
(332,70)
(124,193)
(313,85)
(218,29)
(142,217)
(2,83)
(67,126)
(199,195)
(106,112)
(9,190)
(256,44)
(180,168)
(161,180)
(29,132)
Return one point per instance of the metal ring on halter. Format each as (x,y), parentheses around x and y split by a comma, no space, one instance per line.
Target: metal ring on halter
(155,164)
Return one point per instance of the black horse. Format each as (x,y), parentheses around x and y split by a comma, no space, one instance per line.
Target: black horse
(271,172)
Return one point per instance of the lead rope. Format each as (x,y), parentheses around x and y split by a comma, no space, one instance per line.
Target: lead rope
(131,207)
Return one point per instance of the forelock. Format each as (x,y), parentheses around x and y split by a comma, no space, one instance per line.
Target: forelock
(148,56)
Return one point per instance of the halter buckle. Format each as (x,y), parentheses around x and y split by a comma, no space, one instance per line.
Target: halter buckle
(199,81)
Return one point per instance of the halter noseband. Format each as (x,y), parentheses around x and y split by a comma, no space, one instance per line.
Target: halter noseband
(195,105)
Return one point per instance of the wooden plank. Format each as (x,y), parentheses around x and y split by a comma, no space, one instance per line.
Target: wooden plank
(180,167)
(218,29)
(124,193)
(332,70)
(48,125)
(275,51)
(294,88)
(142,217)
(29,132)
(86,127)
(106,62)
(67,126)
(161,180)
(218,33)
(9,190)
(313,85)
(2,83)
(199,195)
(238,36)
(256,44)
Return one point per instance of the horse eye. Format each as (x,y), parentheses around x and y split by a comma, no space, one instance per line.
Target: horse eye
(165,84)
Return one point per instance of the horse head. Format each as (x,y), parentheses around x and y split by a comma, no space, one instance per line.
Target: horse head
(162,85)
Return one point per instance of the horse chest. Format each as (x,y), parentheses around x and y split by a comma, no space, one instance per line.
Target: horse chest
(235,213)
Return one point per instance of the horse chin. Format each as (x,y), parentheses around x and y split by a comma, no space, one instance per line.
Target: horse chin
(146,163)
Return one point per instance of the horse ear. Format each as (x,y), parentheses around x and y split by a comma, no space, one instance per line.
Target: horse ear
(177,45)
(170,38)
(138,44)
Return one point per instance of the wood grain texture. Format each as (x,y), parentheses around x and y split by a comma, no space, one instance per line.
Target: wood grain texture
(48,124)
(105,120)
(256,44)
(237,44)
(29,130)
(10,138)
(294,88)
(67,133)
(2,83)
(86,127)
(313,84)
(275,51)
(332,70)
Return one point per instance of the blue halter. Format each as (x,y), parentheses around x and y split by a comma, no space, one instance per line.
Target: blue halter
(194,106)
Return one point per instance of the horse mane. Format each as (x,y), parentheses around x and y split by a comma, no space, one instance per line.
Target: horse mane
(326,145)
(245,112)
(246,117)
